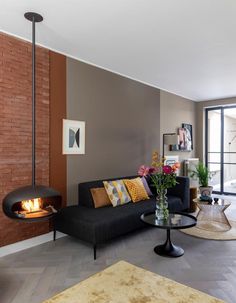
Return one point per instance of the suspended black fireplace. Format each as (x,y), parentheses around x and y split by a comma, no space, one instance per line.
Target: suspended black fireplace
(33,202)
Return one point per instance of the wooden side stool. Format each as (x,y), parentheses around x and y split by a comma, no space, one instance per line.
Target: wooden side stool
(193,195)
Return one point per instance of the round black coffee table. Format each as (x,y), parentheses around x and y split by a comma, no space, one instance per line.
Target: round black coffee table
(168,249)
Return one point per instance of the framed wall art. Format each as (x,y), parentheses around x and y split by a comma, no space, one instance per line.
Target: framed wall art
(188,132)
(73,137)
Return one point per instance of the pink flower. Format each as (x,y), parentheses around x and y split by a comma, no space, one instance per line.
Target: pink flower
(167,169)
(143,171)
(146,170)
(152,170)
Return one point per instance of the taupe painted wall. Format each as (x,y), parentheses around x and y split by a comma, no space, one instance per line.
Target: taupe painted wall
(122,124)
(175,110)
(200,116)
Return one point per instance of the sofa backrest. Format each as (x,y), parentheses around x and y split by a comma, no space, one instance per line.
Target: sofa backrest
(84,194)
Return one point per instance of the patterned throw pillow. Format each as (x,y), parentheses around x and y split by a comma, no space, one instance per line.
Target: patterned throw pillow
(136,189)
(117,192)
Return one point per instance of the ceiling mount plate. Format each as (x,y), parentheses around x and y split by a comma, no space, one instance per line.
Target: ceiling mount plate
(33,17)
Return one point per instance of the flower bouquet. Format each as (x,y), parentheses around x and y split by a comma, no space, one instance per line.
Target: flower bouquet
(162,177)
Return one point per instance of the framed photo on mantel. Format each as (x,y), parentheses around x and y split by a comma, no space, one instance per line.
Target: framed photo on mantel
(73,137)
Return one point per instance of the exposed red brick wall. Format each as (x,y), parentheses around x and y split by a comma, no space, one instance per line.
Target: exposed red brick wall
(15,128)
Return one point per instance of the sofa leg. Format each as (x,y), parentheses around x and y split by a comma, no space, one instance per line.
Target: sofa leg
(94,251)
(54,234)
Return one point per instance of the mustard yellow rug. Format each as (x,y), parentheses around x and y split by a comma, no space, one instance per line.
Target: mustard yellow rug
(126,283)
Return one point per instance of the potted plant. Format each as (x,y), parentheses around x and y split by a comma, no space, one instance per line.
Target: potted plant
(203,174)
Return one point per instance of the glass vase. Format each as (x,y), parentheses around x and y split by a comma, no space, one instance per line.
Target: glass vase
(162,212)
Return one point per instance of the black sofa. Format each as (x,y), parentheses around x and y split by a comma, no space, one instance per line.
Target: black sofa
(99,225)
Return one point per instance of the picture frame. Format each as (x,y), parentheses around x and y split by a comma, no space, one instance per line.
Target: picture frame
(73,139)
(171,160)
(189,135)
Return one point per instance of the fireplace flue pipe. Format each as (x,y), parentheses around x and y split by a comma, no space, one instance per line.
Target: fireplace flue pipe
(33,17)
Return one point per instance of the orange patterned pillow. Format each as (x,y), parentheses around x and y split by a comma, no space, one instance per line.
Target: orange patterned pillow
(136,189)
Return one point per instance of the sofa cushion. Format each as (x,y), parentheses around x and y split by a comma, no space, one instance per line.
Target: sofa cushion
(84,194)
(181,190)
(100,197)
(136,189)
(145,184)
(117,192)
(151,185)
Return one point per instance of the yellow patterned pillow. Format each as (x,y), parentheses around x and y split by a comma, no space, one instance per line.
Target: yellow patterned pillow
(136,189)
(117,192)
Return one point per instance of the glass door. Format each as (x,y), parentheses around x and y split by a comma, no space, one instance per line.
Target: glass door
(229,164)
(213,147)
(221,148)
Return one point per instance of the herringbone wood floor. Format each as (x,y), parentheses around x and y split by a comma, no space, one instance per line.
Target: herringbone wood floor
(40,272)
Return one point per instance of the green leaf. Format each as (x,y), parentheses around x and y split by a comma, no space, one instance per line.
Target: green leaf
(202,173)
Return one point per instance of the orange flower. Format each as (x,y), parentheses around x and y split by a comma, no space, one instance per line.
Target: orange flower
(177,165)
(174,168)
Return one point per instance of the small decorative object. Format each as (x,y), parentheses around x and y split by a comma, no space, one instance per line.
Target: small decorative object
(73,137)
(162,177)
(177,216)
(216,200)
(202,173)
(174,147)
(206,199)
(174,220)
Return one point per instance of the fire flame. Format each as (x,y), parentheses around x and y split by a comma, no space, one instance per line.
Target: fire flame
(31,205)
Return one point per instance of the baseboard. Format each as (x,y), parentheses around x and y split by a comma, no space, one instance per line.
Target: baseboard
(13,248)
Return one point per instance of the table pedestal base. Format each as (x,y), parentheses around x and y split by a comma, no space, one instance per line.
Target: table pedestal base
(168,249)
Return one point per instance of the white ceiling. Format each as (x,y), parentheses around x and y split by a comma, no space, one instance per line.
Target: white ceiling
(187,47)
